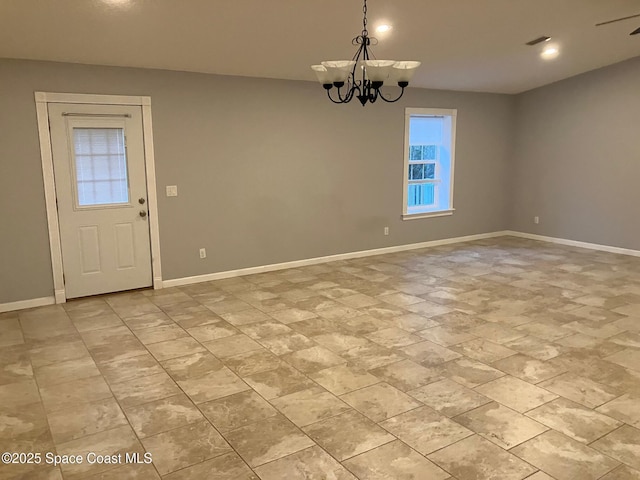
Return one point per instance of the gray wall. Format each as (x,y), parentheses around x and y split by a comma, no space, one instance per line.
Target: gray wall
(268,171)
(577,158)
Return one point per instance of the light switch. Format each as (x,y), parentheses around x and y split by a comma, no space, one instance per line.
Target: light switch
(172,190)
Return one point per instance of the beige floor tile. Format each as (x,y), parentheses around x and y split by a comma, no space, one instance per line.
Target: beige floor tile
(281,381)
(315,326)
(15,364)
(233,345)
(238,410)
(76,392)
(212,385)
(129,471)
(225,467)
(500,425)
(380,401)
(148,320)
(448,397)
(343,379)
(106,336)
(118,440)
(496,333)
(622,444)
(411,322)
(268,440)
(162,415)
(622,473)
(19,394)
(194,317)
(309,406)
(475,458)
(175,348)
(468,372)
(629,358)
(580,389)
(252,362)
(288,343)
(406,375)
(429,354)
(574,420)
(66,371)
(394,461)
(24,429)
(266,329)
(564,458)
(85,419)
(515,393)
(95,323)
(393,337)
(194,365)
(130,368)
(339,342)
(625,408)
(212,331)
(245,316)
(371,356)
(363,324)
(313,359)
(185,446)
(529,369)
(348,434)
(425,430)
(46,355)
(291,315)
(310,463)
(159,334)
(144,390)
(483,350)
(536,347)
(446,336)
(401,299)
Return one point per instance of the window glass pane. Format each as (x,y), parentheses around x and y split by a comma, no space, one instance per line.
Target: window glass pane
(421,194)
(422,171)
(415,152)
(101,166)
(429,152)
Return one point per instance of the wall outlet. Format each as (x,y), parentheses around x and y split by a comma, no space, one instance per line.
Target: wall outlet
(172,190)
(536,220)
(386,230)
(203,253)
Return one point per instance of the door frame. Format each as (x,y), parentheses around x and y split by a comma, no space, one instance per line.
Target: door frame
(43,99)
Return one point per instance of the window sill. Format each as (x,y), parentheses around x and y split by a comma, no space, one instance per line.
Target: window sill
(417,216)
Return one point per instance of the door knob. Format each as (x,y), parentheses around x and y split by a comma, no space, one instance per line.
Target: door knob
(143,213)
(141,200)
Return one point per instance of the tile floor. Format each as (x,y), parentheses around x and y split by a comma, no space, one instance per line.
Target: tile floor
(500,359)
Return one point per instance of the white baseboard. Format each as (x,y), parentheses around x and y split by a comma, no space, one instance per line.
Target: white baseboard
(21,305)
(575,243)
(176,282)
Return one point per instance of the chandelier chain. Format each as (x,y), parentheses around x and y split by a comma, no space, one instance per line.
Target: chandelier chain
(365,32)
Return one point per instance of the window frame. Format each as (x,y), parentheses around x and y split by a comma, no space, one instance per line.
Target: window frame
(428,112)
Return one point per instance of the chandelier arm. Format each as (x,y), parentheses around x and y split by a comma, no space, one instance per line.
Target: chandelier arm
(331,98)
(394,100)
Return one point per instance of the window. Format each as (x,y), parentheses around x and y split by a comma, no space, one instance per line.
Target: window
(428,162)
(100,166)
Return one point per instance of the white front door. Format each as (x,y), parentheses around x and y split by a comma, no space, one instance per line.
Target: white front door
(98,160)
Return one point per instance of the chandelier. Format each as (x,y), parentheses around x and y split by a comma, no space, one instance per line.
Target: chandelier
(363,76)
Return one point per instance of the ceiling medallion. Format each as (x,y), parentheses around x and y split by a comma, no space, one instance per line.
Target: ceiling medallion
(362,76)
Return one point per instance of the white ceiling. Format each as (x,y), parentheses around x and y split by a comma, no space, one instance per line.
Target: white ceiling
(476,45)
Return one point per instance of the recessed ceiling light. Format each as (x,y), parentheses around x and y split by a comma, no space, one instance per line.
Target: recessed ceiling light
(384,28)
(550,52)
